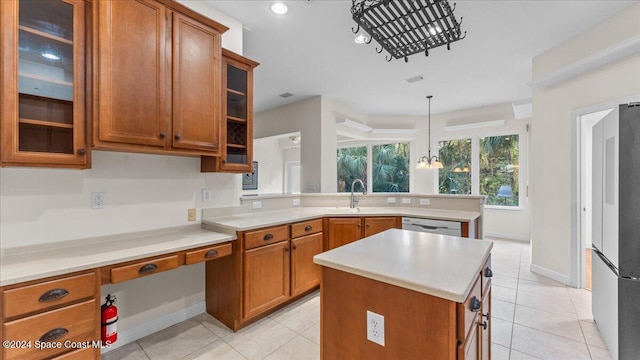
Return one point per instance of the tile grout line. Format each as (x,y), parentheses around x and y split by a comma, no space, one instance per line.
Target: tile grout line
(573,305)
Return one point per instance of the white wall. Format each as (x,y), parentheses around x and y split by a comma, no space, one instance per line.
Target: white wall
(304,117)
(39,205)
(551,165)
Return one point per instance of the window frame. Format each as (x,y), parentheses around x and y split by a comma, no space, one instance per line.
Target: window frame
(475,164)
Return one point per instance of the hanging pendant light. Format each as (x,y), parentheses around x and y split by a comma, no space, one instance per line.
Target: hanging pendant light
(429,162)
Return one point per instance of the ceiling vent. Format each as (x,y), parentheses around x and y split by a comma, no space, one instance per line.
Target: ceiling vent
(286,95)
(415,79)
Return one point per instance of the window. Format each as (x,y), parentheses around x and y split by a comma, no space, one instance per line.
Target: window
(499,165)
(455,176)
(391,168)
(352,164)
(482,165)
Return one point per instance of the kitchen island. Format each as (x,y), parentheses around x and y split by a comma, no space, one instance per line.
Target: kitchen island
(433,291)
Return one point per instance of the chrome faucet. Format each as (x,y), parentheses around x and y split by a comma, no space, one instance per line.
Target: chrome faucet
(355,201)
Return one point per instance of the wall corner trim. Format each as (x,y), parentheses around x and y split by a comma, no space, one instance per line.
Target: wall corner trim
(551,274)
(603,57)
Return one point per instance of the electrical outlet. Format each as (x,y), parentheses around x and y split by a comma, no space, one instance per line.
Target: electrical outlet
(206,195)
(97,200)
(191,214)
(256,205)
(375,328)
(295,202)
(311,187)
(425,202)
(406,201)
(391,200)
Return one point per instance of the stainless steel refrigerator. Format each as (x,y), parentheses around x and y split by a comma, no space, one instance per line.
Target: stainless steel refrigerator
(616,230)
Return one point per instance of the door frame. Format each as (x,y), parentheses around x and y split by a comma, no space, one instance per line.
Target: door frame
(577,278)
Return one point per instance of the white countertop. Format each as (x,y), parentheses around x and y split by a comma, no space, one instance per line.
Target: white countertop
(260,219)
(438,265)
(37,262)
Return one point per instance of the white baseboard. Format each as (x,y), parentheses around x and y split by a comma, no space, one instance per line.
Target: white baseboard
(507,236)
(550,274)
(138,332)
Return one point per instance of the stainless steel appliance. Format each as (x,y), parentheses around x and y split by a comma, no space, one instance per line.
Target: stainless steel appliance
(616,230)
(432,226)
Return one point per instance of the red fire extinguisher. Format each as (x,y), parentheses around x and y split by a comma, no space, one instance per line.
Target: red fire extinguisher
(109,321)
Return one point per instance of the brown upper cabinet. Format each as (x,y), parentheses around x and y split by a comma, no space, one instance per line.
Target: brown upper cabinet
(42,96)
(157,78)
(237,110)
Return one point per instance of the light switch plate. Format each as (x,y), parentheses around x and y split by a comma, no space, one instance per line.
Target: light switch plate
(425,202)
(191,215)
(406,201)
(256,205)
(391,200)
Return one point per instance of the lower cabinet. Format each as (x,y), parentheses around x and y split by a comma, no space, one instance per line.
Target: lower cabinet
(484,327)
(349,229)
(273,265)
(266,277)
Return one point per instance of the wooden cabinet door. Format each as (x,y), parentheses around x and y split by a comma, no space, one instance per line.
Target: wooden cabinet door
(266,278)
(132,92)
(42,83)
(374,225)
(343,231)
(196,85)
(484,327)
(304,273)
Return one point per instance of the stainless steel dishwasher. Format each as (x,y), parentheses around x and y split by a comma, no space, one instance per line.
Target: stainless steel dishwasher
(432,226)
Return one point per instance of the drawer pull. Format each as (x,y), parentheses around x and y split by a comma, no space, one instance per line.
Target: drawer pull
(487,272)
(211,254)
(483,324)
(53,295)
(475,304)
(53,335)
(487,315)
(308,228)
(268,237)
(147,269)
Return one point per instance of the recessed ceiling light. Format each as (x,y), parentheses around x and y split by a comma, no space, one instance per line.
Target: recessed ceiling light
(279,8)
(361,39)
(50,56)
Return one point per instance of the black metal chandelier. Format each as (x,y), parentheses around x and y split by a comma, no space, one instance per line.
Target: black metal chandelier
(407,27)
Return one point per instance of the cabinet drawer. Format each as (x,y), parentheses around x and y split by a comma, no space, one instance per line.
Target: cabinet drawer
(306,228)
(209,253)
(486,275)
(81,354)
(143,268)
(468,310)
(74,323)
(272,235)
(469,349)
(47,295)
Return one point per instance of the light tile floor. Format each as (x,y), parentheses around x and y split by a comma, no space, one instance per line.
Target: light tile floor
(533,318)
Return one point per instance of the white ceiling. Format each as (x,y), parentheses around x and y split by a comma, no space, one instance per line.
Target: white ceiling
(310,51)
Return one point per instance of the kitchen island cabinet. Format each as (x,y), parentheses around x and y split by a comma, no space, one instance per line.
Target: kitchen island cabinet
(432,290)
(345,230)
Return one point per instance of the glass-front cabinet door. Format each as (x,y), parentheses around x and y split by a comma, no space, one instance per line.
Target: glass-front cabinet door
(43,80)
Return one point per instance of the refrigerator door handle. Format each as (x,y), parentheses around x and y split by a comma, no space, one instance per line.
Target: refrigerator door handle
(606,261)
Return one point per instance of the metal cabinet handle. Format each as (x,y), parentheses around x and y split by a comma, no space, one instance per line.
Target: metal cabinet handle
(359,225)
(211,254)
(487,272)
(476,304)
(53,295)
(268,237)
(163,135)
(82,152)
(178,136)
(368,224)
(286,249)
(53,335)
(483,324)
(224,161)
(487,315)
(294,247)
(308,228)
(149,268)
